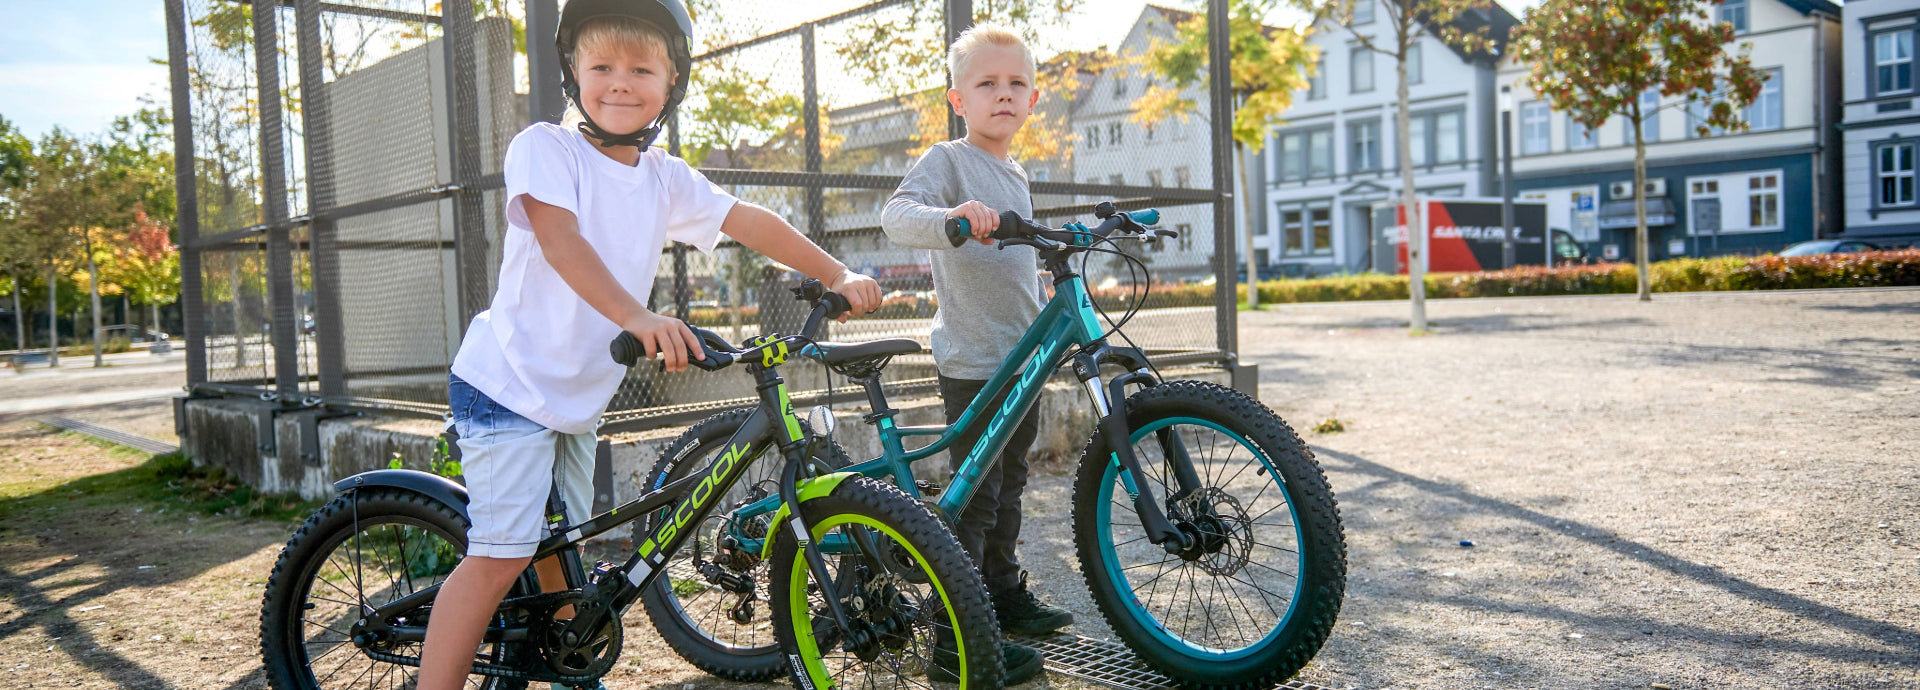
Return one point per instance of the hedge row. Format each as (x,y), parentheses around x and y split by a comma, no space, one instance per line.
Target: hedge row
(1869,269)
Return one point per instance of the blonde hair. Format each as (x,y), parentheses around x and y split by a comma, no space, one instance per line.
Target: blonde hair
(960,56)
(612,33)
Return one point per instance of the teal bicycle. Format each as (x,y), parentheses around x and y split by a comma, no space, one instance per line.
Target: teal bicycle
(1205,529)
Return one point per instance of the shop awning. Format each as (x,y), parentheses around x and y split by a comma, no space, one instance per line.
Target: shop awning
(1618,214)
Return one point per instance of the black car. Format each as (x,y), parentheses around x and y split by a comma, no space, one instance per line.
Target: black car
(1817,247)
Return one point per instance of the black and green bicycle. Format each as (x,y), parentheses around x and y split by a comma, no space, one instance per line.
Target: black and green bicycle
(896,602)
(1205,529)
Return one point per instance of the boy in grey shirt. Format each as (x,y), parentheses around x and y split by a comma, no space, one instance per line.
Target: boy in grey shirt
(988,297)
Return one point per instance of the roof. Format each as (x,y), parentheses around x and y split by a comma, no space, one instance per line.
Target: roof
(1177,17)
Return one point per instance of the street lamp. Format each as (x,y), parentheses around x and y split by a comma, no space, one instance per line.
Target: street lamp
(1506,180)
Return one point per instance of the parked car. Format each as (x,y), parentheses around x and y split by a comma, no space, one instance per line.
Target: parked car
(133,334)
(1828,247)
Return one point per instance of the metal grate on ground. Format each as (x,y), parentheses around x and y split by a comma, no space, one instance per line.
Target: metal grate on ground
(1107,663)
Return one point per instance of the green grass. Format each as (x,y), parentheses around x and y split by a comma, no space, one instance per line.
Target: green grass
(163,482)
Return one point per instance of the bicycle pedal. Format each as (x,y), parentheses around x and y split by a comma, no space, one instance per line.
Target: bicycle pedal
(927,487)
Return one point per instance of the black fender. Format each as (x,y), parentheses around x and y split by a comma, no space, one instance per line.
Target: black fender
(431,485)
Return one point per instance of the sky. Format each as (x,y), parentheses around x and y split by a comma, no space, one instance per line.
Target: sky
(77,64)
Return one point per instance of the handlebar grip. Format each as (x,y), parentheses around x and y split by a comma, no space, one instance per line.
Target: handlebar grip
(628,351)
(959,231)
(836,305)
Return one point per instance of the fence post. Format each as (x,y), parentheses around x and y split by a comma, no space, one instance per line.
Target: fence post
(187,197)
(810,116)
(323,233)
(273,190)
(1220,95)
(682,292)
(959,17)
(545,103)
(469,224)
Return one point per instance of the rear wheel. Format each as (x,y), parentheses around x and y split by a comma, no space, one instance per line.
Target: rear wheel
(1252,601)
(366,548)
(916,612)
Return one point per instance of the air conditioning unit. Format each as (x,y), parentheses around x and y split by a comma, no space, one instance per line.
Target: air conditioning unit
(1623,190)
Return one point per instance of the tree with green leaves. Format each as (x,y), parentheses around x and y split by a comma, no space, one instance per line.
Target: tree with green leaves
(1406,21)
(1594,60)
(67,201)
(18,246)
(1268,66)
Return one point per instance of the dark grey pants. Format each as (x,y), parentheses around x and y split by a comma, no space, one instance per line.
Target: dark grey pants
(990,525)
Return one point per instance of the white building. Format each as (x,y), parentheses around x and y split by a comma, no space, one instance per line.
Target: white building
(1738,192)
(1881,123)
(1336,155)
(1110,150)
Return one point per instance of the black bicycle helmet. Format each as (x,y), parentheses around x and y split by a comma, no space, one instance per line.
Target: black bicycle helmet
(670,16)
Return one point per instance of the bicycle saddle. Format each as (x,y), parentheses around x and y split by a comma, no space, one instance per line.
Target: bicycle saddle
(863,359)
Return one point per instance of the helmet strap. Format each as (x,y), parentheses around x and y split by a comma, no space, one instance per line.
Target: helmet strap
(592,130)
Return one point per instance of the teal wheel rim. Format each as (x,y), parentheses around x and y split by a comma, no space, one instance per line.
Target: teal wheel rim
(1166,580)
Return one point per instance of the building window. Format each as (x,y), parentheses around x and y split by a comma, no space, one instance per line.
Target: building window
(1450,138)
(1117,179)
(1119,87)
(1153,178)
(1763,201)
(1893,62)
(1293,231)
(1183,177)
(1305,154)
(1697,119)
(1093,137)
(1437,137)
(1768,109)
(1317,81)
(1363,146)
(1893,168)
(1322,222)
(1363,12)
(1650,119)
(1113,134)
(1361,62)
(1413,64)
(1579,137)
(1186,236)
(1734,12)
(1536,128)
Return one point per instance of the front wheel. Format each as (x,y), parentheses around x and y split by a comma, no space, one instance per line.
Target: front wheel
(1250,603)
(917,611)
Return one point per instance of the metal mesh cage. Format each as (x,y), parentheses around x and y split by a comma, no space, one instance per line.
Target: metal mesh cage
(371,188)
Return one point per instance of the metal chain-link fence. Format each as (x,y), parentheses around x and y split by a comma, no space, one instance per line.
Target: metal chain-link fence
(340,232)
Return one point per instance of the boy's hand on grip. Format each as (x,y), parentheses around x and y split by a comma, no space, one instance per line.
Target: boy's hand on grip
(664,338)
(983,219)
(861,292)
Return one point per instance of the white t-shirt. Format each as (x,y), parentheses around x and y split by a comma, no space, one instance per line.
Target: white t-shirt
(539,349)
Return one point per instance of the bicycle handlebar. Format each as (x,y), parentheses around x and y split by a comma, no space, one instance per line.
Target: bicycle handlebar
(719,354)
(1014,227)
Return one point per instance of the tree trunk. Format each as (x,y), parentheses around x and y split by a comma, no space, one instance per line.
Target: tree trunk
(1409,201)
(1640,215)
(53,317)
(1246,221)
(93,293)
(153,313)
(19,317)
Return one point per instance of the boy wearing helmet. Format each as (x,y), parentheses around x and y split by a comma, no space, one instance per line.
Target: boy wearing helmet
(589,208)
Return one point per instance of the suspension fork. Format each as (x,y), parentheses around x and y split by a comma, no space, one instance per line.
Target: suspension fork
(794,446)
(1111,403)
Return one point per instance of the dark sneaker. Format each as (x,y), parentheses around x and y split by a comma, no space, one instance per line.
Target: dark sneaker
(1022,613)
(1022,663)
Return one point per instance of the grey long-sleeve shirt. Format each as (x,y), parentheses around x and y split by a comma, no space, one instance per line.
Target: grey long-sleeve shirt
(988,296)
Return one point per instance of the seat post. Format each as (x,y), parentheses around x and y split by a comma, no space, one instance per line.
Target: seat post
(876,399)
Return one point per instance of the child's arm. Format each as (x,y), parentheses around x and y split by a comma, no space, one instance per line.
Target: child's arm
(916,215)
(570,256)
(765,232)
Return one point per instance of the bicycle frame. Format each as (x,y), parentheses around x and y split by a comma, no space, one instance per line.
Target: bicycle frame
(1068,320)
(689,500)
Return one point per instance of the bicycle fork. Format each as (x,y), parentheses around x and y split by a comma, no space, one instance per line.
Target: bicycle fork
(1110,402)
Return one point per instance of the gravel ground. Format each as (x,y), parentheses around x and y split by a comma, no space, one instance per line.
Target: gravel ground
(1706,491)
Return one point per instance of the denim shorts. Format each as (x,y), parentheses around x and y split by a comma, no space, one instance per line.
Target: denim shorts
(510,463)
